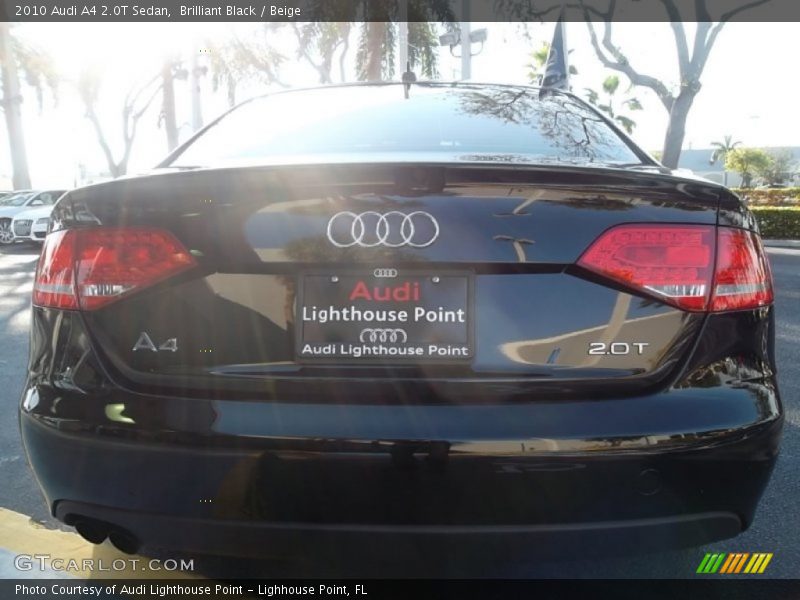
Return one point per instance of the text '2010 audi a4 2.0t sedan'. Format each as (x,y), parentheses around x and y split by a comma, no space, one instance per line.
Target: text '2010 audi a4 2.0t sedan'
(422,317)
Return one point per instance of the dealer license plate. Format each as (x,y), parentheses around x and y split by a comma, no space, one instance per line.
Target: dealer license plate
(384,316)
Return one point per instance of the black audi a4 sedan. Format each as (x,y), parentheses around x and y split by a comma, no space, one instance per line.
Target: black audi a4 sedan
(403,317)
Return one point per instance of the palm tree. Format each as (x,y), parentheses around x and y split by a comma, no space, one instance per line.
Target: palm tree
(606,100)
(326,36)
(606,104)
(720,153)
(376,50)
(318,42)
(18,57)
(376,45)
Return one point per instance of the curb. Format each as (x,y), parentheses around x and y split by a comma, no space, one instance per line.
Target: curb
(782,244)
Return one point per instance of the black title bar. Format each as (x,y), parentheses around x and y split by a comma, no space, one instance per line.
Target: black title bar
(370,589)
(395,10)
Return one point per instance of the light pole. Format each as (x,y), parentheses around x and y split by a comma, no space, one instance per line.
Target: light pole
(464,38)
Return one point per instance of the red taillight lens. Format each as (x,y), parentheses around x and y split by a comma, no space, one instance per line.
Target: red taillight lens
(671,261)
(54,285)
(743,278)
(676,263)
(90,268)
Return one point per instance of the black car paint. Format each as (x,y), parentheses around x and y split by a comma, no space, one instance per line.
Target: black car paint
(679,442)
(282,471)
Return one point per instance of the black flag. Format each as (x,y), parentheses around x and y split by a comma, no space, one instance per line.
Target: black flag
(556,71)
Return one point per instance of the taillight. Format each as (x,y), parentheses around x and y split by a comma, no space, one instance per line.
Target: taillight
(90,268)
(673,262)
(677,263)
(743,278)
(54,285)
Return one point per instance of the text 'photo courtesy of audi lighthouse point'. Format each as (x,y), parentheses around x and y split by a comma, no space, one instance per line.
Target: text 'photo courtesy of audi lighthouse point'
(385,312)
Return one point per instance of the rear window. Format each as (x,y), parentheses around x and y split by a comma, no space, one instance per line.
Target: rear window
(480,123)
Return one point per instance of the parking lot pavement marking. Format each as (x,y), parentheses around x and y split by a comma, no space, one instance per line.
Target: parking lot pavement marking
(21,535)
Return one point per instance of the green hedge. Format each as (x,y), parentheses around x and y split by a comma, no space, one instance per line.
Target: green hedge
(778,222)
(776,197)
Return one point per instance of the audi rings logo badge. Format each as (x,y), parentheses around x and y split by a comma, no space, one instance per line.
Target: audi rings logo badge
(392,229)
(384,272)
(383,336)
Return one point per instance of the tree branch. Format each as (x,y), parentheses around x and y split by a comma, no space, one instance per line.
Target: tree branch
(138,114)
(258,63)
(101,138)
(590,10)
(131,100)
(715,30)
(700,51)
(732,13)
(712,37)
(343,57)
(701,11)
(672,11)
(679,32)
(324,76)
(134,120)
(620,63)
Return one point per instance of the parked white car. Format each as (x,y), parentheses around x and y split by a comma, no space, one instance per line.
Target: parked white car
(20,202)
(31,224)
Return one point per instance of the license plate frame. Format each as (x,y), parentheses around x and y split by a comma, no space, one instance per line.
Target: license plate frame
(455,341)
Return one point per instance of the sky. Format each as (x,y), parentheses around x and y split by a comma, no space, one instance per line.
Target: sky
(750,86)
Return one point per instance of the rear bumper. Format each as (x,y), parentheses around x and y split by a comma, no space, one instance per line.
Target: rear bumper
(502,542)
(266,495)
(383,462)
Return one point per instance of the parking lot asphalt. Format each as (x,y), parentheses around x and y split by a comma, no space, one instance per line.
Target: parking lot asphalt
(776,527)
